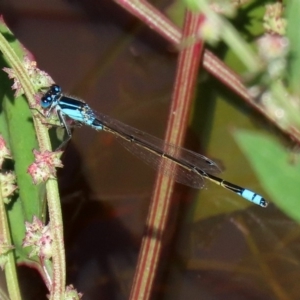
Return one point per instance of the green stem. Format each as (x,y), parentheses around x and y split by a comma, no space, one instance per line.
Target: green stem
(10,266)
(59,269)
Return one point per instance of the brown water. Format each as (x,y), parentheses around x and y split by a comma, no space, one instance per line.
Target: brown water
(97,51)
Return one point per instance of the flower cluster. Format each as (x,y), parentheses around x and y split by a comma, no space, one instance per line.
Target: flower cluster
(274,23)
(4,249)
(38,78)
(8,186)
(273,47)
(273,50)
(7,179)
(71,293)
(4,151)
(45,165)
(38,236)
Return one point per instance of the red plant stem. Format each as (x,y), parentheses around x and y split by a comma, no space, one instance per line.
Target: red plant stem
(179,111)
(163,26)
(152,17)
(184,87)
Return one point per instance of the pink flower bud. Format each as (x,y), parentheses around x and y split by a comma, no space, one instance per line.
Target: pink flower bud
(38,236)
(4,151)
(39,79)
(8,186)
(45,165)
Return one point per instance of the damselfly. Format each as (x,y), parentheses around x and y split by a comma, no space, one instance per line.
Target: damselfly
(184,166)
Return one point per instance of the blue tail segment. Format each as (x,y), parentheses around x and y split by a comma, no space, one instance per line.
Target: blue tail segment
(253,197)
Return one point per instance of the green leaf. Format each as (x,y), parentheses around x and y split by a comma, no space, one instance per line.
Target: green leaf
(17,128)
(273,166)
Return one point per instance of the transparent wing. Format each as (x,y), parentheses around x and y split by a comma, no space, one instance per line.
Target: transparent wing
(171,160)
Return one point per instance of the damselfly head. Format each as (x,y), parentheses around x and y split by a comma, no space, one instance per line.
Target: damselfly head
(51,95)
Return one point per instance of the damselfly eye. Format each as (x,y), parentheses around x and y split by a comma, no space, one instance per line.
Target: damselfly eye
(46,101)
(55,89)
